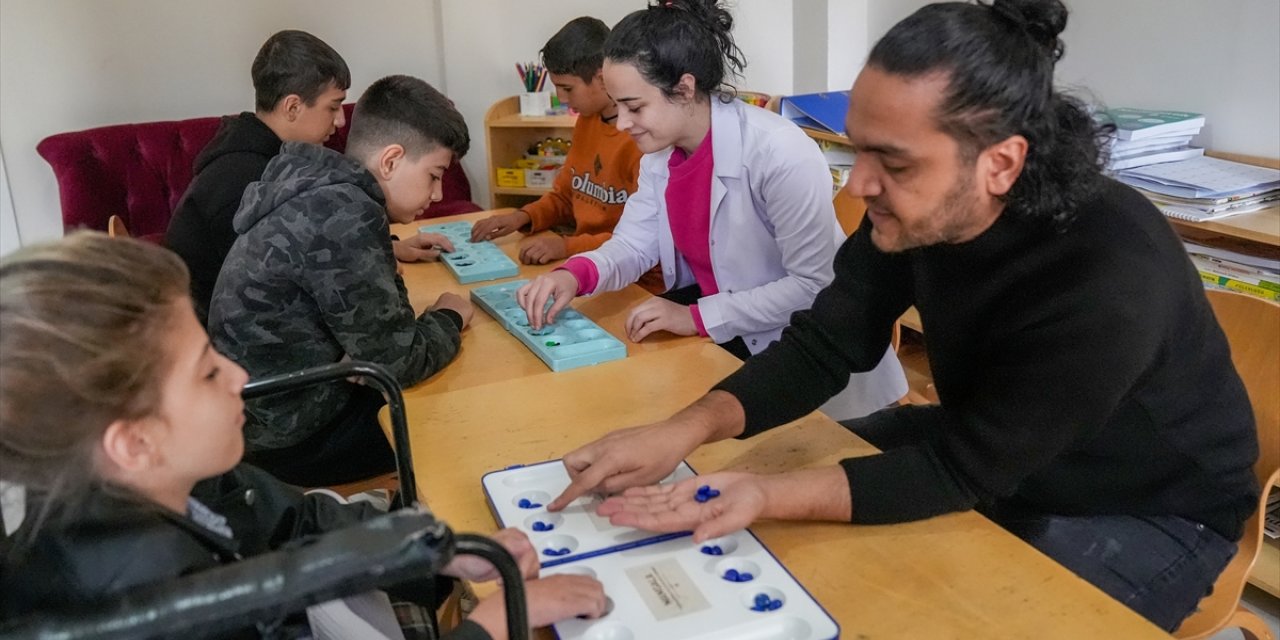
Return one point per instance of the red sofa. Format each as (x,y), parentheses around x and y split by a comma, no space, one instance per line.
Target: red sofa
(140,171)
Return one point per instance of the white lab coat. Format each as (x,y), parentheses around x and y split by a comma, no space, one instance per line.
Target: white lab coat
(774,237)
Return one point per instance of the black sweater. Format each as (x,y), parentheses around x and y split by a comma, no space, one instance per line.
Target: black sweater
(1079,373)
(200,230)
(115,545)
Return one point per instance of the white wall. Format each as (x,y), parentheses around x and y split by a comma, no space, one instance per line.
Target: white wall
(849,40)
(483,39)
(9,238)
(70,64)
(67,65)
(809,59)
(1219,58)
(763,30)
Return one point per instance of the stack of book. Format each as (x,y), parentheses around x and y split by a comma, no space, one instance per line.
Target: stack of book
(1144,137)
(1224,269)
(1205,188)
(839,159)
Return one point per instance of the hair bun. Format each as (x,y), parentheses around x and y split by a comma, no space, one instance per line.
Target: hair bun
(710,12)
(1043,20)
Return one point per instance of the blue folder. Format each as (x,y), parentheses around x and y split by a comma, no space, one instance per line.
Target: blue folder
(822,111)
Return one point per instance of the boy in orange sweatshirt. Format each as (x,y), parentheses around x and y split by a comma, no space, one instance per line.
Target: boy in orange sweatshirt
(600,172)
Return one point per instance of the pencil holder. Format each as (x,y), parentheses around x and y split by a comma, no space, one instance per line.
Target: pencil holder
(535,104)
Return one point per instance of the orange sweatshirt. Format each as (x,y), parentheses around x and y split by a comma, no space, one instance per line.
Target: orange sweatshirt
(600,173)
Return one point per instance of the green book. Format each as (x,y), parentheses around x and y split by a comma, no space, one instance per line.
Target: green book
(1139,124)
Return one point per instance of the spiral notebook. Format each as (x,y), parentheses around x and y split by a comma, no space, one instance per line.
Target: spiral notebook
(1204,177)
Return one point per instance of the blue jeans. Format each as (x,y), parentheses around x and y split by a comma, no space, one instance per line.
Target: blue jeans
(1159,566)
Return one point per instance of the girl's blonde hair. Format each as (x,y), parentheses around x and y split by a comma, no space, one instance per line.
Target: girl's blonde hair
(82,327)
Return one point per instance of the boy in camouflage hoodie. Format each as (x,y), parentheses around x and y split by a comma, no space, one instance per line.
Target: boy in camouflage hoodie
(312,280)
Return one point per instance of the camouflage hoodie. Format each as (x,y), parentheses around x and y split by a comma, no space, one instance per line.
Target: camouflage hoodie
(311,279)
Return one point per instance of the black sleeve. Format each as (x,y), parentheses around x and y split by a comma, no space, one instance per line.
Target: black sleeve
(453,316)
(1054,376)
(846,331)
(265,513)
(219,202)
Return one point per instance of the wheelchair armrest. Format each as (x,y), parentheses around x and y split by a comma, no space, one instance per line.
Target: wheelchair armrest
(378,377)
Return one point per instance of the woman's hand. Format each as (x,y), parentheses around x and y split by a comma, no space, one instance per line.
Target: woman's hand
(659,314)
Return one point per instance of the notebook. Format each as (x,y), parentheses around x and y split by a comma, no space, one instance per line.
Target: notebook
(1136,124)
(822,111)
(1205,177)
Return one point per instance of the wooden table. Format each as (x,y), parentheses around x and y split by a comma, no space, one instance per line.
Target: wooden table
(489,353)
(955,576)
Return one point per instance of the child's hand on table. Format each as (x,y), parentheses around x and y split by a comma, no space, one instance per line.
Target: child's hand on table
(499,225)
(477,569)
(423,247)
(550,599)
(543,249)
(456,303)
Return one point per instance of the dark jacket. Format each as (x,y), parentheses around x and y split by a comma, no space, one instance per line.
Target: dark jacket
(200,230)
(1080,373)
(312,280)
(117,543)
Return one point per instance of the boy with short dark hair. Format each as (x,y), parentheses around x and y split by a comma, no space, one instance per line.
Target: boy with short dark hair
(299,85)
(312,280)
(602,168)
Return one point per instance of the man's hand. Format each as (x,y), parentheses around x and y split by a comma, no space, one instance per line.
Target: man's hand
(455,302)
(626,458)
(644,455)
(543,249)
(659,314)
(497,226)
(476,569)
(533,296)
(674,507)
(550,600)
(423,247)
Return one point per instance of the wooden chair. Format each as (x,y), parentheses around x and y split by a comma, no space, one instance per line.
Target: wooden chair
(1252,326)
(849,211)
(116,227)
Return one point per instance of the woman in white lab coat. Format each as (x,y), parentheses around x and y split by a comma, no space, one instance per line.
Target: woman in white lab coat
(733,201)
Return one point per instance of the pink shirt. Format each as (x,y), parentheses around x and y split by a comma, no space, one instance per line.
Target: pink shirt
(688,197)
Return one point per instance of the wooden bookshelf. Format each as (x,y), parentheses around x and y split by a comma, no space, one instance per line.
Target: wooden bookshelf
(534,192)
(1257,233)
(508,135)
